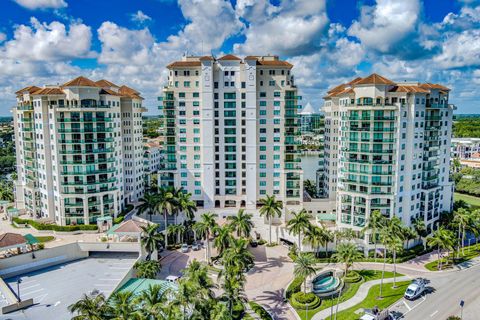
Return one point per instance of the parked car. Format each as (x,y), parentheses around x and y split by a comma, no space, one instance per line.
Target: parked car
(415,289)
(253,243)
(172,279)
(184,248)
(195,246)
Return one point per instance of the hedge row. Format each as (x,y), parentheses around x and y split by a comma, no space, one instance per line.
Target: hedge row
(260,310)
(295,286)
(302,301)
(352,277)
(45,226)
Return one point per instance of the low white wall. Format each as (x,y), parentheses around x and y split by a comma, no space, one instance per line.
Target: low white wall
(25,262)
(110,246)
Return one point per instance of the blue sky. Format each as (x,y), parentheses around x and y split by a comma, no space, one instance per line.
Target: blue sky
(329,42)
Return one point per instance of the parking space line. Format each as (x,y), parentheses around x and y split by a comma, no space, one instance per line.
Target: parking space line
(29,293)
(35,285)
(406,305)
(110,279)
(436,311)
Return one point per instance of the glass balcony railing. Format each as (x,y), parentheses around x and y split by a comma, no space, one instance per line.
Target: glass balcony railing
(106,119)
(84,130)
(105,140)
(86,151)
(98,161)
(87,183)
(97,171)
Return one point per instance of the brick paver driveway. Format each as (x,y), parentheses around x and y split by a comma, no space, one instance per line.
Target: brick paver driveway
(267,281)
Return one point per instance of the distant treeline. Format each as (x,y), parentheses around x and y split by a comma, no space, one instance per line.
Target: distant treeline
(467,127)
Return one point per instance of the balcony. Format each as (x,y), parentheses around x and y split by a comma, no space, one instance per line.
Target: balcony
(86,183)
(68,120)
(106,140)
(97,171)
(86,151)
(84,130)
(99,161)
(89,191)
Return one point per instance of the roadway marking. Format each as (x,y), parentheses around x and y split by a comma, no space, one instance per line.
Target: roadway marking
(434,313)
(29,293)
(110,279)
(406,305)
(35,285)
(120,268)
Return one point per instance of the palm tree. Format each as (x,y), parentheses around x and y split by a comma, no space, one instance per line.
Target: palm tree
(441,239)
(420,228)
(241,223)
(177,230)
(395,244)
(313,237)
(462,218)
(237,255)
(122,306)
(187,205)
(148,269)
(90,307)
(304,267)
(374,223)
(270,208)
(205,227)
(152,302)
(299,224)
(149,203)
(167,204)
(223,238)
(150,239)
(347,254)
(310,187)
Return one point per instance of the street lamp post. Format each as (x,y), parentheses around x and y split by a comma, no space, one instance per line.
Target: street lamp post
(462,303)
(18,289)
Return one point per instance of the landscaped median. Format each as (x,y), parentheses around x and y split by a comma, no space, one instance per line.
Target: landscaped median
(352,283)
(451,260)
(390,296)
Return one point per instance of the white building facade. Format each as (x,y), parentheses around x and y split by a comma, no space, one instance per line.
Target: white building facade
(387,148)
(79,150)
(231,131)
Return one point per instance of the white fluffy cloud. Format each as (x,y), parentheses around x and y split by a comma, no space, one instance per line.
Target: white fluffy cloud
(460,50)
(3,37)
(292,28)
(42,4)
(47,42)
(386,24)
(140,17)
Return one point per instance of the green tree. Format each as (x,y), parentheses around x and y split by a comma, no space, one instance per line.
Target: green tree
(374,223)
(237,255)
(153,302)
(150,239)
(304,267)
(187,205)
(347,254)
(442,239)
(420,228)
(241,223)
(147,269)
(148,205)
(462,218)
(314,238)
(270,208)
(310,187)
(223,238)
(167,204)
(90,307)
(122,306)
(205,228)
(299,224)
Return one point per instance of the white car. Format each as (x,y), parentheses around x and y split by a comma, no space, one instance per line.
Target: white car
(172,279)
(415,289)
(184,248)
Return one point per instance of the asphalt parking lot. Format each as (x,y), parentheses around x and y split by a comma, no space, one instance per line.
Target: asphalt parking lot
(53,289)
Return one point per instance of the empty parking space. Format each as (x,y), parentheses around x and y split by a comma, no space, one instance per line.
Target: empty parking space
(53,289)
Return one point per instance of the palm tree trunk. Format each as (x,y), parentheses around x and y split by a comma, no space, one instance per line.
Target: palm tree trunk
(394,268)
(459,239)
(374,247)
(326,249)
(166,234)
(299,243)
(463,241)
(383,272)
(270,230)
(339,295)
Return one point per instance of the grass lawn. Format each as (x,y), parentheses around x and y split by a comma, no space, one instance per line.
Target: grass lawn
(348,292)
(471,200)
(44,239)
(390,296)
(470,253)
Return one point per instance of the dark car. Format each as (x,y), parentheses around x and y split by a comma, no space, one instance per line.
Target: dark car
(254,243)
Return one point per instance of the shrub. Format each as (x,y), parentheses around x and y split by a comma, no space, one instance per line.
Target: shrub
(295,286)
(353,276)
(261,242)
(273,244)
(118,220)
(301,300)
(260,310)
(45,226)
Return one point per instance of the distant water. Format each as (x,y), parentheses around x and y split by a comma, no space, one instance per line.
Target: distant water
(309,162)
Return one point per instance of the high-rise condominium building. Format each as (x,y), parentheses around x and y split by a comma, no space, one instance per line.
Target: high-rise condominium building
(231,130)
(79,150)
(387,148)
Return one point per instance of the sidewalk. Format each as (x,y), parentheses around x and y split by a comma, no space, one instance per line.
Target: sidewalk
(357,298)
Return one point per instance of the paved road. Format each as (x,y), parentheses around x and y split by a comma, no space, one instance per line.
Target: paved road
(443,300)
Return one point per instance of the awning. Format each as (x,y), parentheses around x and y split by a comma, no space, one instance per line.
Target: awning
(31,239)
(12,212)
(326,217)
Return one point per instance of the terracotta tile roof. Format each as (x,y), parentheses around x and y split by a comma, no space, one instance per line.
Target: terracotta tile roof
(207,58)
(355,80)
(110,92)
(80,82)
(11,239)
(274,63)
(229,57)
(345,90)
(130,226)
(184,64)
(375,79)
(434,86)
(410,89)
(28,89)
(337,88)
(46,91)
(105,83)
(129,92)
